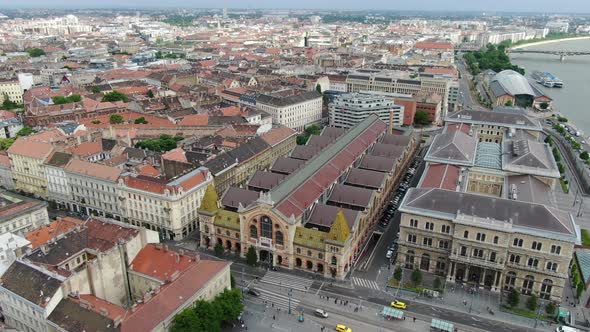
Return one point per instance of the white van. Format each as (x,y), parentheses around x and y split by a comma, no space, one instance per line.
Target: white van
(566,329)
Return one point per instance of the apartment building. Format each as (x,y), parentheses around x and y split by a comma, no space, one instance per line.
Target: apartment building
(295,111)
(19,214)
(12,90)
(400,82)
(27,159)
(492,242)
(58,186)
(167,207)
(93,189)
(314,210)
(346,110)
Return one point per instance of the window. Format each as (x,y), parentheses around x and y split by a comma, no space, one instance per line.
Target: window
(445,229)
(463,251)
(309,253)
(510,280)
(443,244)
(551,266)
(412,238)
(409,260)
(427,241)
(546,287)
(527,285)
(536,245)
(492,256)
(279,238)
(477,253)
(555,249)
(495,240)
(253,232)
(466,234)
(334,260)
(299,250)
(321,256)
(266,227)
(514,259)
(481,237)
(413,223)
(429,226)
(517,242)
(533,262)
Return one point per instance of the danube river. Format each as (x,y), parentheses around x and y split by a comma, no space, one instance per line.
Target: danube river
(573,100)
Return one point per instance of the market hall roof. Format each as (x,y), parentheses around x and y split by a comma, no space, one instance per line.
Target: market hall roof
(453,147)
(501,116)
(301,189)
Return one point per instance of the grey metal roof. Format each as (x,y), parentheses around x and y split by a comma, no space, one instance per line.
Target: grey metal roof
(365,178)
(30,283)
(351,196)
(286,165)
(290,100)
(513,118)
(527,188)
(234,196)
(513,83)
(453,147)
(583,259)
(324,215)
(265,180)
(529,157)
(489,155)
(526,216)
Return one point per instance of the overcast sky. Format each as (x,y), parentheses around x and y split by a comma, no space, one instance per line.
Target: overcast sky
(547,6)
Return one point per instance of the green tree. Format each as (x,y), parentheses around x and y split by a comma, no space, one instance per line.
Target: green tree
(159,55)
(550,308)
(437,283)
(561,168)
(513,298)
(544,105)
(556,154)
(186,321)
(508,103)
(532,303)
(140,120)
(8,104)
(58,100)
(115,96)
(548,140)
(562,119)
(584,155)
(318,88)
(416,277)
(580,289)
(5,143)
(150,94)
(219,250)
(115,119)
(95,121)
(229,303)
(95,89)
(397,274)
(232,281)
(35,52)
(421,118)
(25,131)
(251,256)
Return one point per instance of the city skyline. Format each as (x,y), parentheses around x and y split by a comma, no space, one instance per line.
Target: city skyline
(542,6)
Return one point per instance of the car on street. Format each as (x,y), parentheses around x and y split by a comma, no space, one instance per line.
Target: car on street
(398,304)
(389,254)
(321,313)
(343,328)
(254,292)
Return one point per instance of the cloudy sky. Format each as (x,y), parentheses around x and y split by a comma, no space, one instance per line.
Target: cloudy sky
(547,6)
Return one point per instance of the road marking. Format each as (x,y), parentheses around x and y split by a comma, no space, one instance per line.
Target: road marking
(319,288)
(475,319)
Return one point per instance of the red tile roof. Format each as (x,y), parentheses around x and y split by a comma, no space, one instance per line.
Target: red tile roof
(94,170)
(277,135)
(101,306)
(434,45)
(29,148)
(177,154)
(160,263)
(42,235)
(87,149)
(195,120)
(148,170)
(442,176)
(148,315)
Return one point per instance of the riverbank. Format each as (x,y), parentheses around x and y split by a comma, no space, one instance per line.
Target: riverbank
(551,41)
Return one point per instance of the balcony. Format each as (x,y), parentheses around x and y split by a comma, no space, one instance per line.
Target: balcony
(482,262)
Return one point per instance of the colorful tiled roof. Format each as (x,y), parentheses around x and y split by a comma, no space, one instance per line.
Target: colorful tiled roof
(209,202)
(339,231)
(311,238)
(227,219)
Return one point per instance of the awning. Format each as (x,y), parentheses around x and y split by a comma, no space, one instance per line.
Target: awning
(392,312)
(441,325)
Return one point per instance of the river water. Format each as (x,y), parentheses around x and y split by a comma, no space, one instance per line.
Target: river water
(573,100)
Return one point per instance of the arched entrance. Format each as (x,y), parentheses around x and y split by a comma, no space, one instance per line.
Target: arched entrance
(298,262)
(475,274)
(425,262)
(488,281)
(309,265)
(207,242)
(266,257)
(320,268)
(460,275)
(228,244)
(238,248)
(333,272)
(280,260)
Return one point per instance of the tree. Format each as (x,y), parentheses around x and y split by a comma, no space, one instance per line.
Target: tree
(115,119)
(584,155)
(550,308)
(229,304)
(416,277)
(115,96)
(5,143)
(219,249)
(318,88)
(437,283)
(95,121)
(58,100)
(561,168)
(150,94)
(509,103)
(532,303)
(208,315)
(556,154)
(251,256)
(513,298)
(140,120)
(232,281)
(421,118)
(548,140)
(580,289)
(35,52)
(397,275)
(95,89)
(25,131)
(185,321)
(544,105)
(8,104)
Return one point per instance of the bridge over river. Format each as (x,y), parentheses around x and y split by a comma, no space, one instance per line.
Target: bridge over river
(561,53)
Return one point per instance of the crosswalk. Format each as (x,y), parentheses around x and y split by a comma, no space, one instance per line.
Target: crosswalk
(287,281)
(365,283)
(278,300)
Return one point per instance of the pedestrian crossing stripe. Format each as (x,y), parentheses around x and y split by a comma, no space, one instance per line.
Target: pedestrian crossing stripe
(365,283)
(277,300)
(287,281)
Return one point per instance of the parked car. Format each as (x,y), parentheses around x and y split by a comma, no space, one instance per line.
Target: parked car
(389,254)
(254,292)
(398,304)
(321,313)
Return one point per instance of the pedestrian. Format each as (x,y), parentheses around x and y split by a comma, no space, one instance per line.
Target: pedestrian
(404,317)
(272,304)
(273,317)
(414,319)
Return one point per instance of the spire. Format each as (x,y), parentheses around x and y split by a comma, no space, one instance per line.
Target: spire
(339,231)
(209,202)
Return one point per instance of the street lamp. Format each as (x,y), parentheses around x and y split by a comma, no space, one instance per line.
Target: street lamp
(538,313)
(290,294)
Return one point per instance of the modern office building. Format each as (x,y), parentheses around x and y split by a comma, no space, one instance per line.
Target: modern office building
(295,111)
(349,109)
